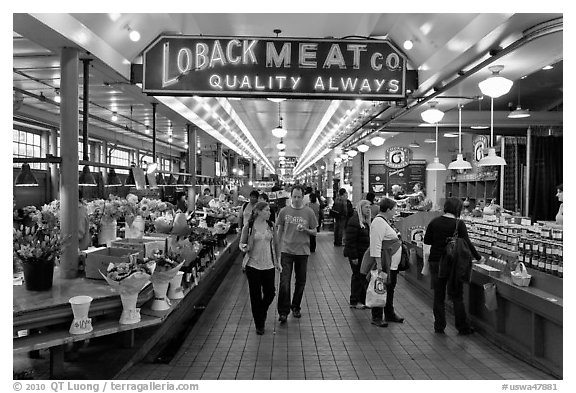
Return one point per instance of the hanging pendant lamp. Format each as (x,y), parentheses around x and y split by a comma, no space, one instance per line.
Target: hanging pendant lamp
(492,159)
(86,178)
(26,178)
(432,115)
(281,145)
(363,148)
(279,132)
(436,165)
(459,163)
(130,179)
(519,113)
(495,85)
(113,179)
(160,180)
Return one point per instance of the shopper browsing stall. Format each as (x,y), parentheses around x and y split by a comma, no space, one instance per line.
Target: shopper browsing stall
(560,196)
(358,235)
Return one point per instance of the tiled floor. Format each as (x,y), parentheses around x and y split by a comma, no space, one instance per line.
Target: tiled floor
(330,341)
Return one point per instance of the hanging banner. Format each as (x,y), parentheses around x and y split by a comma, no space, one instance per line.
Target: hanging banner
(274,67)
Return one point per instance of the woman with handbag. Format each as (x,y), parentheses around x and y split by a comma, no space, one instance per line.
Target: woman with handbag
(259,243)
(358,235)
(386,249)
(438,232)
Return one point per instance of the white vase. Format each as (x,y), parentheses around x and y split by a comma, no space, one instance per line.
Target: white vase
(130,314)
(175,290)
(81,323)
(136,230)
(107,232)
(161,302)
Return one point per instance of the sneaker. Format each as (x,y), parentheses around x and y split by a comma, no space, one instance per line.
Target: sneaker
(296,314)
(360,306)
(259,331)
(379,323)
(283,318)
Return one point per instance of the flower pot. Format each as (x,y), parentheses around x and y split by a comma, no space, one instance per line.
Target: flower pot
(161,301)
(81,323)
(107,232)
(130,314)
(38,275)
(136,230)
(175,290)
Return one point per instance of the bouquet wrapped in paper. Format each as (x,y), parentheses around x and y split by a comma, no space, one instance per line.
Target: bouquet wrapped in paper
(167,266)
(188,250)
(221,228)
(181,226)
(128,279)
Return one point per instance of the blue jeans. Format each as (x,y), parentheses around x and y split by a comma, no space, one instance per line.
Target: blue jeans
(299,264)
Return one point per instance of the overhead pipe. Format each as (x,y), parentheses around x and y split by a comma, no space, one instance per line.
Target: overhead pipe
(538,31)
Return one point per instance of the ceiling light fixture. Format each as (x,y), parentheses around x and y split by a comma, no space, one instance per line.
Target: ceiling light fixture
(86,178)
(363,148)
(352,153)
(495,85)
(432,115)
(26,178)
(337,160)
(450,135)
(113,180)
(491,159)
(377,141)
(459,163)
(518,113)
(281,145)
(279,132)
(344,156)
(57,96)
(408,44)
(436,165)
(274,99)
(114,116)
(548,67)
(133,34)
(282,153)
(147,130)
(414,145)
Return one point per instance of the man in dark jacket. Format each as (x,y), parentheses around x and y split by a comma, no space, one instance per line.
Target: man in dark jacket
(342,210)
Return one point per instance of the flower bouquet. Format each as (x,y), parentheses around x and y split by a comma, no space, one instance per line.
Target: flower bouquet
(167,266)
(128,279)
(103,215)
(37,244)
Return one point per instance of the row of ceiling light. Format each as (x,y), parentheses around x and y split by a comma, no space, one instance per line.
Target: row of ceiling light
(494,86)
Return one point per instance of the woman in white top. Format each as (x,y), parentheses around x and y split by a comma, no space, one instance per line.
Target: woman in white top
(560,195)
(258,241)
(381,229)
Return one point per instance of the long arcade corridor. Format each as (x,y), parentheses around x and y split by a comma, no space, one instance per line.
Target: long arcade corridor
(331,341)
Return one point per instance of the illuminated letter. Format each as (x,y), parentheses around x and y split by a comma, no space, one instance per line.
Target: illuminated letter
(348,84)
(307,59)
(201,56)
(295,81)
(215,81)
(273,57)
(356,48)
(270,80)
(392,61)
(165,80)
(376,56)
(379,84)
(393,86)
(280,80)
(232,59)
(365,85)
(233,84)
(217,55)
(260,87)
(248,51)
(330,87)
(335,58)
(319,85)
(184,61)
(245,81)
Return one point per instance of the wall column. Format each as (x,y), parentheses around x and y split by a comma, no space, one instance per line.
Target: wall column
(192,135)
(69,168)
(54,176)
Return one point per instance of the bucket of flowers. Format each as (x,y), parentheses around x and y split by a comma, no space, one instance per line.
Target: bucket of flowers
(104,216)
(127,279)
(37,244)
(167,266)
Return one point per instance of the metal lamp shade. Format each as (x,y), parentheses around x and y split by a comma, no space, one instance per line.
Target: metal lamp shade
(436,165)
(86,178)
(113,179)
(459,163)
(492,159)
(26,178)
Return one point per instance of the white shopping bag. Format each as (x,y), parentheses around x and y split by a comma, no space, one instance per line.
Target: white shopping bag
(376,292)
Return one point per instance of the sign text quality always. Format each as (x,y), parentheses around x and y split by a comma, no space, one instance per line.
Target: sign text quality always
(281,67)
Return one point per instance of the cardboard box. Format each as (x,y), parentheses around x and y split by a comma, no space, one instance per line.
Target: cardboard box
(98,260)
(167,238)
(146,247)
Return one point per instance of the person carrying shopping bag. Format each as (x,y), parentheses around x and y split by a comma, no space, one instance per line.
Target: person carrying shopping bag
(386,249)
(358,235)
(258,241)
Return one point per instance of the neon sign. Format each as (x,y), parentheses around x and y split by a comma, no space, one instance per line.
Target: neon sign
(274,67)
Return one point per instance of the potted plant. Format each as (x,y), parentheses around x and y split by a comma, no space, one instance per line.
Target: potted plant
(37,244)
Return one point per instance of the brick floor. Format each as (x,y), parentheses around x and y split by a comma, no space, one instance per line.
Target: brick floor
(330,341)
